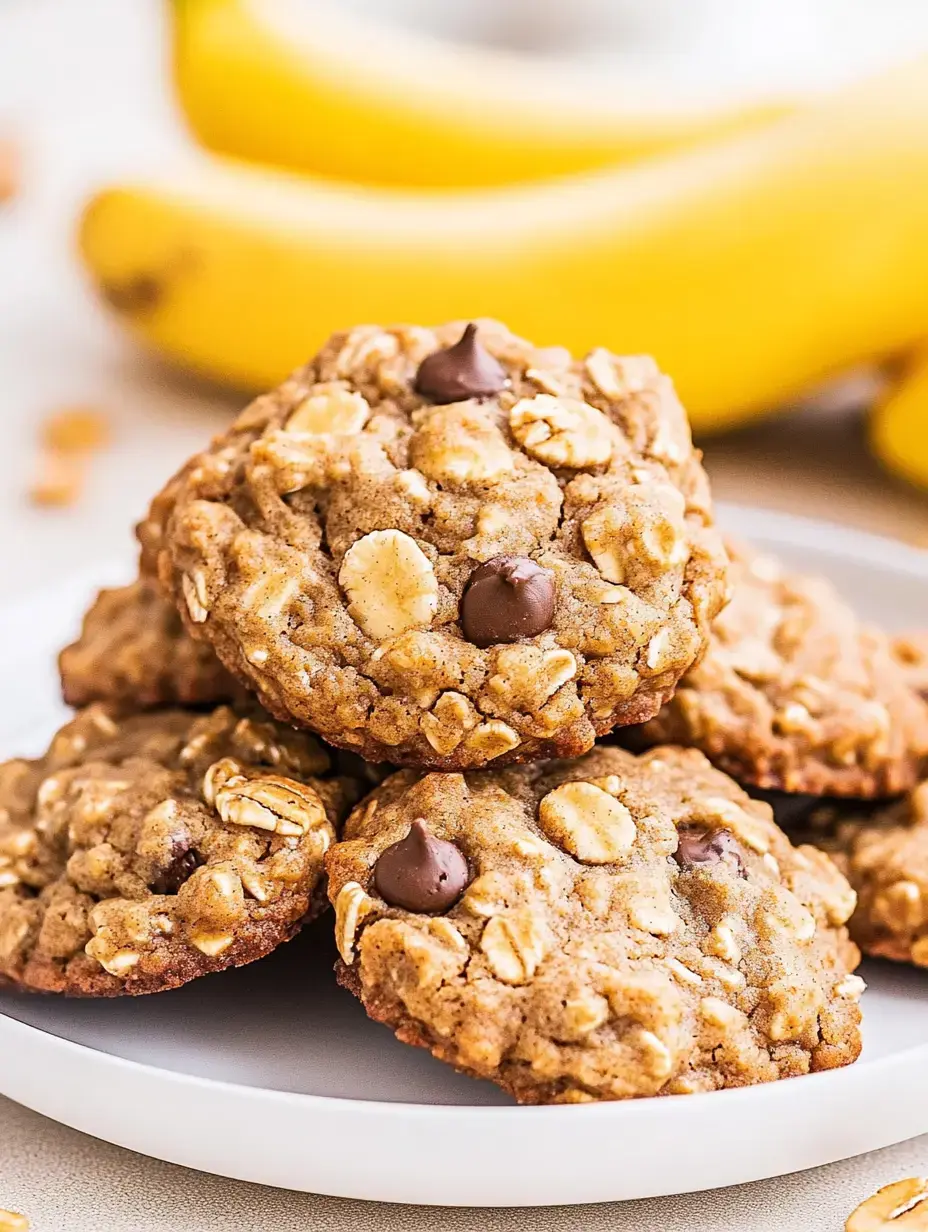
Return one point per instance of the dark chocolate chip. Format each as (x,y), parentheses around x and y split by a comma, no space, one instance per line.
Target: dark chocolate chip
(465,370)
(697,846)
(421,873)
(507,598)
(170,879)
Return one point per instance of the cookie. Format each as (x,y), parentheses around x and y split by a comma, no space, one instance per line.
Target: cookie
(142,852)
(610,927)
(796,694)
(134,651)
(883,852)
(446,548)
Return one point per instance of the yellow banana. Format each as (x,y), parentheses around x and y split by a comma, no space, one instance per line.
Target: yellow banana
(752,268)
(899,424)
(329,93)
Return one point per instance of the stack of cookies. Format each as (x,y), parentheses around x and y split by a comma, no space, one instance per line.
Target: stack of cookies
(441,633)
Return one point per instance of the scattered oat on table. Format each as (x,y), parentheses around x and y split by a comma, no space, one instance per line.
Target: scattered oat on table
(12,1221)
(58,482)
(76,430)
(69,438)
(9,169)
(900,1207)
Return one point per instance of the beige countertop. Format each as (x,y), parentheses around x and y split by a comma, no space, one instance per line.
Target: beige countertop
(816,463)
(66,1182)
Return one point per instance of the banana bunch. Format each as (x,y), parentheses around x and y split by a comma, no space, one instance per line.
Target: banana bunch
(333,95)
(753,259)
(899,423)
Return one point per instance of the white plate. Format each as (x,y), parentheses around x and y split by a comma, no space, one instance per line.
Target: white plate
(273,1074)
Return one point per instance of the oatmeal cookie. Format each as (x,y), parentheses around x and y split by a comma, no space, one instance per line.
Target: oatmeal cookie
(883,852)
(134,651)
(446,548)
(610,927)
(796,694)
(142,852)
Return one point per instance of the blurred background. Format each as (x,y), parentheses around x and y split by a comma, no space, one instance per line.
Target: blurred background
(701,178)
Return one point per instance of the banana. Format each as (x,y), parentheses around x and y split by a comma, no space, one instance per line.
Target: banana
(899,424)
(751,269)
(335,95)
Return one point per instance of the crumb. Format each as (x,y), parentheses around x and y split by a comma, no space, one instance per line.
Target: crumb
(76,429)
(59,482)
(12,1221)
(9,169)
(891,1203)
(69,437)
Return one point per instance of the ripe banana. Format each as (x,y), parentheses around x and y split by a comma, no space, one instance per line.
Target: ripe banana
(751,269)
(329,93)
(899,424)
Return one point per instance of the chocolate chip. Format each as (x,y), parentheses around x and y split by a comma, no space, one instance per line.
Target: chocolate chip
(697,846)
(465,370)
(507,598)
(421,873)
(170,879)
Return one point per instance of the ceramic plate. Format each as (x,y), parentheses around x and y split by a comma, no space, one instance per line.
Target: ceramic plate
(274,1074)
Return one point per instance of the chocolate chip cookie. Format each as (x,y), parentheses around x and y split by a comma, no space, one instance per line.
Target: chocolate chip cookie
(796,694)
(883,852)
(134,651)
(610,927)
(142,852)
(447,547)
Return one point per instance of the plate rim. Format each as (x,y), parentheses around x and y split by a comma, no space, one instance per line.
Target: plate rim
(494,1112)
(827,1130)
(848,542)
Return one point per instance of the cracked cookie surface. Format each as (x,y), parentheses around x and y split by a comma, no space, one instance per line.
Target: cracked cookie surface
(883,852)
(612,927)
(133,650)
(796,694)
(329,545)
(142,852)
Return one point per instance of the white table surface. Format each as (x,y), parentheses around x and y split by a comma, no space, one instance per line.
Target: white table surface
(82,87)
